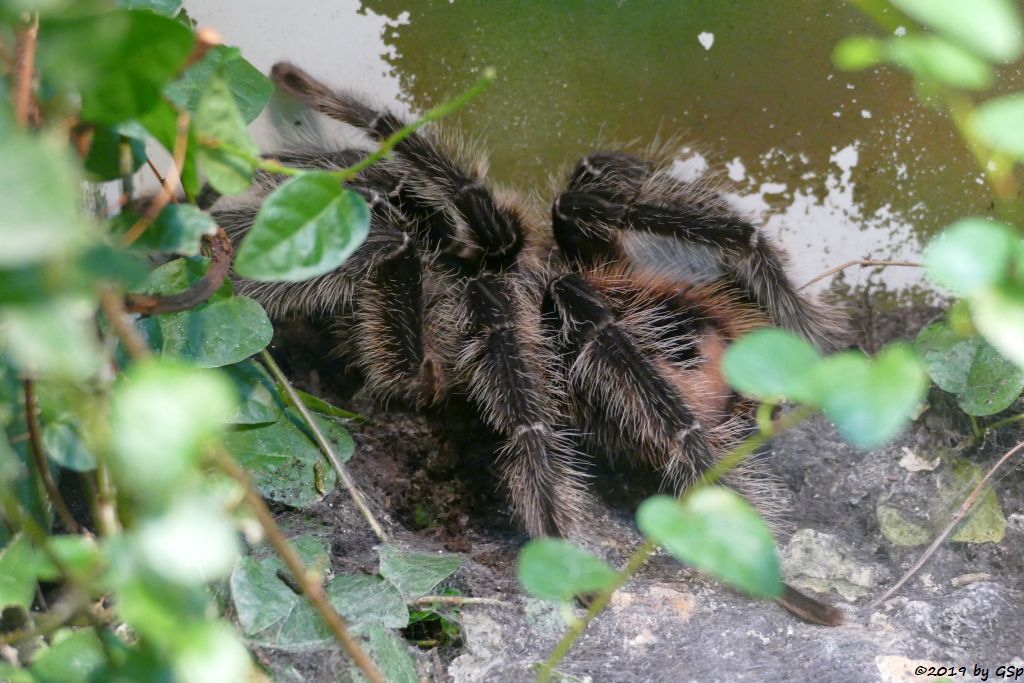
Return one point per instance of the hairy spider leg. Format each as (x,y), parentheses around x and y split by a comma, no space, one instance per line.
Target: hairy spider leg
(431,182)
(611,376)
(501,364)
(609,195)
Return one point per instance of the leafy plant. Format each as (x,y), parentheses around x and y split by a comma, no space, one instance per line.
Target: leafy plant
(139,380)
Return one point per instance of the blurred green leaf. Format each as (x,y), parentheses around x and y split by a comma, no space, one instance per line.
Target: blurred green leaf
(391,655)
(984,381)
(283,462)
(162,123)
(162,413)
(39,193)
(168,8)
(858,52)
(17,574)
(415,574)
(111,156)
(716,531)
(989,28)
(259,402)
(998,313)
(772,365)
(192,542)
(306,227)
(250,88)
(210,652)
(73,659)
(871,400)
(971,254)
(1000,123)
(119,61)
(217,118)
(553,569)
(179,229)
(54,338)
(78,554)
(931,58)
(63,443)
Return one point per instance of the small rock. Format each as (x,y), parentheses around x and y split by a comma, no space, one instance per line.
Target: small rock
(820,562)
(912,462)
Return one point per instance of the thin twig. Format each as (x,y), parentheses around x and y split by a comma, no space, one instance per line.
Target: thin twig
(309,582)
(428,600)
(325,445)
(346,174)
(203,289)
(641,555)
(964,508)
(113,306)
(25,57)
(858,262)
(156,172)
(168,187)
(39,455)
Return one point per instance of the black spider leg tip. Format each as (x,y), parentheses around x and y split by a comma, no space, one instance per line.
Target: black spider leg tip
(616,175)
(434,183)
(507,383)
(611,374)
(586,226)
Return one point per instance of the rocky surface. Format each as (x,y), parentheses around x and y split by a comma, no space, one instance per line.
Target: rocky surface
(428,477)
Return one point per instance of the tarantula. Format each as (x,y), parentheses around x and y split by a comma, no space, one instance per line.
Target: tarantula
(599,332)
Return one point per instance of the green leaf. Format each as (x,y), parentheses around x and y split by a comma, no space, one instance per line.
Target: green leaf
(306,227)
(283,461)
(168,8)
(415,574)
(251,89)
(985,523)
(871,401)
(63,442)
(998,313)
(1000,123)
(267,608)
(72,660)
(931,58)
(259,402)
(218,119)
(553,569)
(317,404)
(39,193)
(990,28)
(365,601)
(971,254)
(162,414)
(221,332)
(984,381)
(390,654)
(210,652)
(17,574)
(53,338)
(79,555)
(858,52)
(162,123)
(772,365)
(193,542)
(716,531)
(119,61)
(179,229)
(111,156)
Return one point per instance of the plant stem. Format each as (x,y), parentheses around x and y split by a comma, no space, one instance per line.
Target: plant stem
(170,184)
(310,584)
(641,555)
(39,455)
(386,147)
(325,445)
(858,262)
(25,55)
(961,512)
(112,304)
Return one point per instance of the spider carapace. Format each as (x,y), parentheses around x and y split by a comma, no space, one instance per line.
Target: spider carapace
(596,332)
